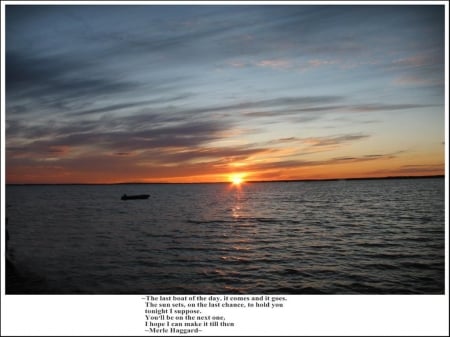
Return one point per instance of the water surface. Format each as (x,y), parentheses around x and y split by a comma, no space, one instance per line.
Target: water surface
(329,237)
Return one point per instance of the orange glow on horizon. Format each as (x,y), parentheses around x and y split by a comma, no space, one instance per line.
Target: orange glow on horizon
(237,179)
(50,173)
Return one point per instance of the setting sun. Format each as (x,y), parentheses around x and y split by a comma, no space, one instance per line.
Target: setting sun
(236,179)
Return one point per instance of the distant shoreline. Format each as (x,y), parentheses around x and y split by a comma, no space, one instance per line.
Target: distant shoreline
(226,182)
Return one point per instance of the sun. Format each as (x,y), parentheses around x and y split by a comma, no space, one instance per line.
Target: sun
(237,179)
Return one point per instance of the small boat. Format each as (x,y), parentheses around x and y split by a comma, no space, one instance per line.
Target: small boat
(135,197)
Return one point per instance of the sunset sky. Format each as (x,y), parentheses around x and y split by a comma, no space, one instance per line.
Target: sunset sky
(196,93)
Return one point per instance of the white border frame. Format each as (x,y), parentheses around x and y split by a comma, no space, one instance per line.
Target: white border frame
(350,315)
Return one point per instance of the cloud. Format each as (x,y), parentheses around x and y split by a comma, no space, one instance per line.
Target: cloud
(275,64)
(118,168)
(264,63)
(412,61)
(424,69)
(66,84)
(128,105)
(293,106)
(319,63)
(294,111)
(311,108)
(412,80)
(332,140)
(42,74)
(296,163)
(223,156)
(276,107)
(386,107)
(321,141)
(171,151)
(426,169)
(188,134)
(237,64)
(57,80)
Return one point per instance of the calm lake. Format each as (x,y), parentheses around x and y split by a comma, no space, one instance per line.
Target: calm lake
(323,237)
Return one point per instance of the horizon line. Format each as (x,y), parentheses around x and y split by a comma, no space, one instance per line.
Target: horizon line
(246,182)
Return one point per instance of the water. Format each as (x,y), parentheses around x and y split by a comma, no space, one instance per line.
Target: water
(330,237)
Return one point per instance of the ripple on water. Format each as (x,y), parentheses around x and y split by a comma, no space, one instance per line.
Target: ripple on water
(383,236)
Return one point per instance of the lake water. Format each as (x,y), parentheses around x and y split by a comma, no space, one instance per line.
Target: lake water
(323,237)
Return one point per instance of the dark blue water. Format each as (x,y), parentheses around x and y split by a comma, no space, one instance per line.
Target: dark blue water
(331,237)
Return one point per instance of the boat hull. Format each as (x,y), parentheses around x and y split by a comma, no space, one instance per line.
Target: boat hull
(135,197)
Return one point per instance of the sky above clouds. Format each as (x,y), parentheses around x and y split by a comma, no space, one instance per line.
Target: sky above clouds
(196,93)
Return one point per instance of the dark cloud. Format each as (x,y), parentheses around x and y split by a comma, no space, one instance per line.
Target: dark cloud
(333,140)
(220,156)
(295,111)
(275,106)
(322,141)
(30,130)
(66,84)
(280,102)
(128,105)
(188,134)
(371,107)
(386,107)
(152,113)
(58,79)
